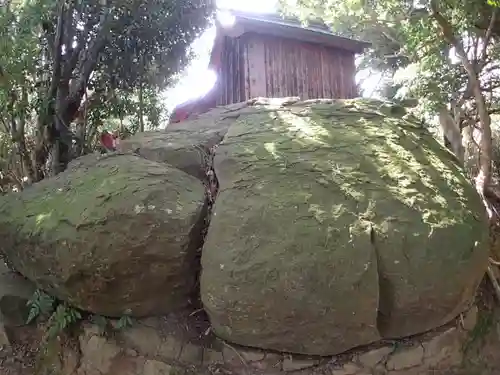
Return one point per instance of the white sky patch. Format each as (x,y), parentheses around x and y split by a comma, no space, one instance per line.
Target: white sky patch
(199,79)
(261,6)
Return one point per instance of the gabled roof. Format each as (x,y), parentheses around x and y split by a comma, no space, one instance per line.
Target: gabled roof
(274,24)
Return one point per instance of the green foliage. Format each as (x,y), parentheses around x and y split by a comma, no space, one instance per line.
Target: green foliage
(40,304)
(114,57)
(403,36)
(63,318)
(107,325)
(61,315)
(124,322)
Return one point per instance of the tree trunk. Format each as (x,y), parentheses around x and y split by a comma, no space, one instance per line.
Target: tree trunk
(122,126)
(68,83)
(54,163)
(80,133)
(24,154)
(452,134)
(141,109)
(483,179)
(40,153)
(62,144)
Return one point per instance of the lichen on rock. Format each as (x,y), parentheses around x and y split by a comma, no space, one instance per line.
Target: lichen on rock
(337,223)
(112,235)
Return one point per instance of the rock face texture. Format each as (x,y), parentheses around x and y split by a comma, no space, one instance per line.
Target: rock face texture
(15,292)
(187,146)
(111,235)
(335,224)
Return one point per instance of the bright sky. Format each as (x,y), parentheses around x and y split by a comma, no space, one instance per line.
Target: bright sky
(199,80)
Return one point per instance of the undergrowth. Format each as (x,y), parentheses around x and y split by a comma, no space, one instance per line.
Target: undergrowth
(107,325)
(61,317)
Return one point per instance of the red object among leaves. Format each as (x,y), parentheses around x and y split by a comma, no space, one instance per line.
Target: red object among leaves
(108,140)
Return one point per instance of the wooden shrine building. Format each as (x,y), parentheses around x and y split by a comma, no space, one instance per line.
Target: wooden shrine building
(268,56)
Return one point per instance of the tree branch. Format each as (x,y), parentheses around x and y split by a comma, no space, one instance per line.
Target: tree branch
(86,67)
(56,72)
(72,60)
(488,35)
(69,30)
(5,125)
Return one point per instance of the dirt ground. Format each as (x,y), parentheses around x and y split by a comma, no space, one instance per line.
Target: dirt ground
(21,358)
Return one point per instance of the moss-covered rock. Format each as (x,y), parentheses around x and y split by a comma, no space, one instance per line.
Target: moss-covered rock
(112,234)
(337,223)
(186,146)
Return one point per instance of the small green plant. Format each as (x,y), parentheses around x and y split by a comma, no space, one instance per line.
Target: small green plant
(124,322)
(107,325)
(63,317)
(40,303)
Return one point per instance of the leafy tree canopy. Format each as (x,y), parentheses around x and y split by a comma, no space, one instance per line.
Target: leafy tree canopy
(63,63)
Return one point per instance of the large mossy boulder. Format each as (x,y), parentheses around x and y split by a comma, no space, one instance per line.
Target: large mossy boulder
(337,224)
(187,145)
(112,235)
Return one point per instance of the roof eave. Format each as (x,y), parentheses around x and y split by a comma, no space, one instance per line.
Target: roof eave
(246,24)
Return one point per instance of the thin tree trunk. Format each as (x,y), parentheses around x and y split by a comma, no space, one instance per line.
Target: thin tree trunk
(80,137)
(122,127)
(21,147)
(60,148)
(483,179)
(141,109)
(54,161)
(452,134)
(26,161)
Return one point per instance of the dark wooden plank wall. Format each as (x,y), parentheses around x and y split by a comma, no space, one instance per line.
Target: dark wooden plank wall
(232,72)
(258,65)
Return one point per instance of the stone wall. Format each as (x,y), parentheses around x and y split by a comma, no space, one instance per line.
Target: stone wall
(152,347)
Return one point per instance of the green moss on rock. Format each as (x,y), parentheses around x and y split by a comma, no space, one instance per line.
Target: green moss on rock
(184,145)
(337,223)
(112,234)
